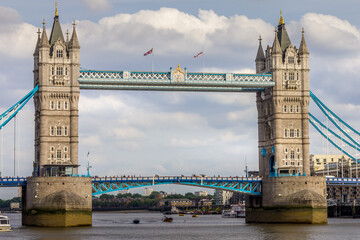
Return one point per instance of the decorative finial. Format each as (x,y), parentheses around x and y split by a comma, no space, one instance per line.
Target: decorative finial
(67,35)
(302,31)
(44,23)
(281,20)
(56,12)
(38,32)
(178,68)
(260,38)
(74,24)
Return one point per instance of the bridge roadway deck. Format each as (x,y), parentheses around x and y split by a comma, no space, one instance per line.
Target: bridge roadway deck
(174,81)
(238,184)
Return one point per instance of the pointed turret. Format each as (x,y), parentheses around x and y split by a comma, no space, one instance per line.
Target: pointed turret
(74,42)
(260,54)
(283,36)
(44,42)
(37,42)
(56,32)
(303,48)
(260,58)
(276,49)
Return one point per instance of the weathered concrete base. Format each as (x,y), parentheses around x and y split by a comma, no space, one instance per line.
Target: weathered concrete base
(57,202)
(286,215)
(289,200)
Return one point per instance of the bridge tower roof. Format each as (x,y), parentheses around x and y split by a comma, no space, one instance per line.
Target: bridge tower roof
(282,34)
(56,31)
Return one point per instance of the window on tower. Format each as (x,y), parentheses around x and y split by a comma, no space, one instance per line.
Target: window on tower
(66,71)
(66,105)
(58,131)
(285,108)
(291,76)
(52,131)
(298,133)
(59,53)
(59,70)
(52,105)
(286,133)
(52,71)
(58,154)
(292,134)
(291,60)
(292,155)
(65,131)
(59,105)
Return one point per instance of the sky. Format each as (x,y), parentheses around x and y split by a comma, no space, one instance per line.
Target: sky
(173,133)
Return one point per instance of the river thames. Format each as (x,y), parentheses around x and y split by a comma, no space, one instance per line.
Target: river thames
(112,225)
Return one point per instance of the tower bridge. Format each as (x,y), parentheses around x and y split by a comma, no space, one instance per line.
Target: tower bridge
(285,192)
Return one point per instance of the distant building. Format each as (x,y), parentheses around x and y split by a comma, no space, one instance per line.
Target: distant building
(14,205)
(175,202)
(205,202)
(201,193)
(333,165)
(148,191)
(222,197)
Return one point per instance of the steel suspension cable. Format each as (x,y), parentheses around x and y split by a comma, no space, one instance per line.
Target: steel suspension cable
(332,142)
(325,110)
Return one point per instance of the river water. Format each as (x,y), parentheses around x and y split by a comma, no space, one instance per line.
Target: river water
(112,225)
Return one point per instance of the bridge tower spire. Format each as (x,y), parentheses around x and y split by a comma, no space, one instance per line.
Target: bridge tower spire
(56,72)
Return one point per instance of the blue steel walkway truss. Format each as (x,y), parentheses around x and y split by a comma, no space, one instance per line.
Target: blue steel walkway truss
(179,80)
(244,185)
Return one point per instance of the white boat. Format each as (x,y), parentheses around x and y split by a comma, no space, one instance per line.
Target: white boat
(4,223)
(236,211)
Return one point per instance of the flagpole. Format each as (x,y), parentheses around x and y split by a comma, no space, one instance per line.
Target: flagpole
(152,57)
(203,56)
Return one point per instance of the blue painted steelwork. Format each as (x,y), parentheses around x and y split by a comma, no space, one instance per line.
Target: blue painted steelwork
(332,142)
(326,111)
(165,81)
(343,181)
(312,117)
(12,182)
(237,184)
(12,111)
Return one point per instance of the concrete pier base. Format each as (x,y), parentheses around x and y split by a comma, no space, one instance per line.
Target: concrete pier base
(289,200)
(57,202)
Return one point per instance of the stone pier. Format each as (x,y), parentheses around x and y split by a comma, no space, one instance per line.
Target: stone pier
(289,200)
(57,202)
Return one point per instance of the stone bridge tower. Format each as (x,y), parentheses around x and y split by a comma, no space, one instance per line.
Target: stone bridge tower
(283,111)
(289,194)
(56,71)
(55,195)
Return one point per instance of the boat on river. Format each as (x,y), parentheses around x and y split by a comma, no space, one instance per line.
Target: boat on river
(167,219)
(4,223)
(236,211)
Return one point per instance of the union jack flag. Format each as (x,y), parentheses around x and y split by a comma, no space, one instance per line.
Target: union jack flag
(148,52)
(198,54)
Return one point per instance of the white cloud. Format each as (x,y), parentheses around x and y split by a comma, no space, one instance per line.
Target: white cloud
(170,31)
(97,5)
(331,33)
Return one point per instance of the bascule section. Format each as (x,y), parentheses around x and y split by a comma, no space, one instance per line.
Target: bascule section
(289,194)
(54,195)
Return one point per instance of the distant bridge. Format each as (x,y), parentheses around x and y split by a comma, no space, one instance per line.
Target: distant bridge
(244,185)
